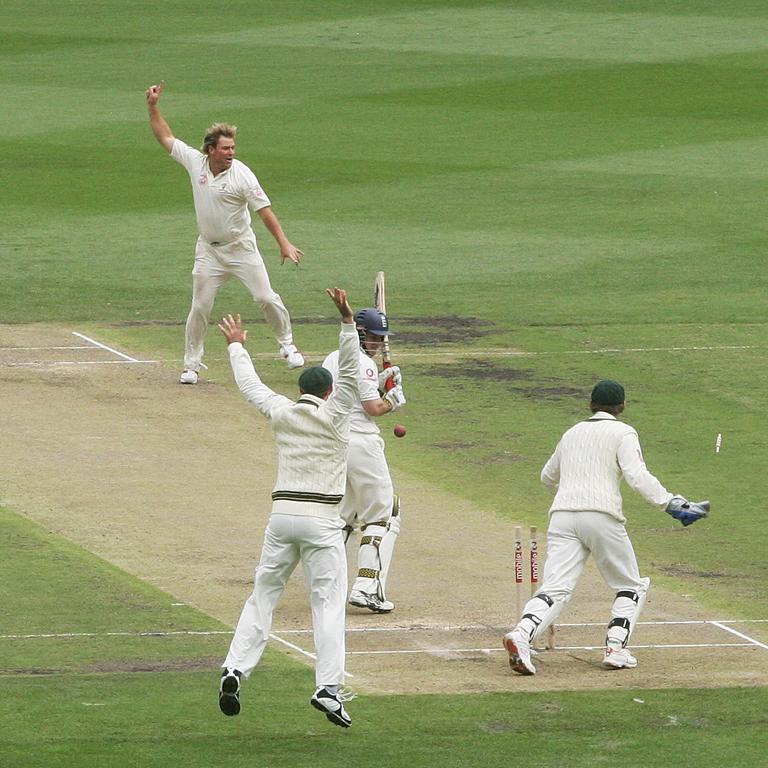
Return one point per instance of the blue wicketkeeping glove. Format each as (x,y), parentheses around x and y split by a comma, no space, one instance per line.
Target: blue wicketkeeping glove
(687,512)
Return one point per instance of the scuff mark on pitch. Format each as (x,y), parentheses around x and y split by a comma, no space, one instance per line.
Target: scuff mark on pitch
(490,371)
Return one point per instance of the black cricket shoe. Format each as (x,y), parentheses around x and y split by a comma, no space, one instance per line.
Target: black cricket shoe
(330,704)
(229,691)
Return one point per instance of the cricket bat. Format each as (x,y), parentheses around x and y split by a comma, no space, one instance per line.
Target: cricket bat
(380,302)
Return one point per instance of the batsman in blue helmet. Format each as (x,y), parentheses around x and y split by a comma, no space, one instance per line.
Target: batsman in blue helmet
(370,504)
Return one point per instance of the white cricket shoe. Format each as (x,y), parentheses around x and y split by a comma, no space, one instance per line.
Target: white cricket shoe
(330,704)
(188,377)
(370,601)
(292,356)
(519,649)
(618,658)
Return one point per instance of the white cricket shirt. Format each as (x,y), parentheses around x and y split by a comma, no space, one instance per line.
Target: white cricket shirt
(587,466)
(312,434)
(221,202)
(368,387)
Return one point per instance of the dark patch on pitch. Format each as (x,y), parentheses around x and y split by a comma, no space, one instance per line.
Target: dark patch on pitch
(678,569)
(503,726)
(167,665)
(439,329)
(109,667)
(490,371)
(481,370)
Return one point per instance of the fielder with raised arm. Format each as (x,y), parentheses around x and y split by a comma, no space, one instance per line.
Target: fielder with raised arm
(224,189)
(312,435)
(586,518)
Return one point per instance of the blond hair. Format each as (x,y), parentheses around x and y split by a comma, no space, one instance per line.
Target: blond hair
(214,133)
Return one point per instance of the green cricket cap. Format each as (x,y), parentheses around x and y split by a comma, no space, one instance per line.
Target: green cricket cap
(316,381)
(608,392)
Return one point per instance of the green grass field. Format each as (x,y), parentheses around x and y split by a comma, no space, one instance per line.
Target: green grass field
(558,192)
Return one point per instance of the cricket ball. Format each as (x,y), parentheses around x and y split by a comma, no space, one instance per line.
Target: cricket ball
(399,430)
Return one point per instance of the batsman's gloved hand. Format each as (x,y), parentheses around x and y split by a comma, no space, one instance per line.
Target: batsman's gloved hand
(687,512)
(395,397)
(393,372)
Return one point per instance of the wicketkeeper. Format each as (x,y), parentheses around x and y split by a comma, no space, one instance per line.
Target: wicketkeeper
(586,518)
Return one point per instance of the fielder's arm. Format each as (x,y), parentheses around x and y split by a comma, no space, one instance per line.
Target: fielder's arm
(630,458)
(157,122)
(550,474)
(254,390)
(287,249)
(345,390)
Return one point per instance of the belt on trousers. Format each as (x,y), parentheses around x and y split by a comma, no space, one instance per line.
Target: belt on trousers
(317,498)
(217,243)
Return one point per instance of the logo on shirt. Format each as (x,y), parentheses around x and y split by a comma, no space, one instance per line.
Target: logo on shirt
(203,179)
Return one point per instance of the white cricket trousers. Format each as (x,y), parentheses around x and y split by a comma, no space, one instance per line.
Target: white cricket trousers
(369,492)
(368,499)
(319,544)
(214,265)
(571,538)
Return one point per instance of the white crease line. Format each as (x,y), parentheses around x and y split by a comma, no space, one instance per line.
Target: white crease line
(78,362)
(104,346)
(277,638)
(486,627)
(740,634)
(293,647)
(414,628)
(674,622)
(414,355)
(449,651)
(43,349)
(605,351)
(300,650)
(116,634)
